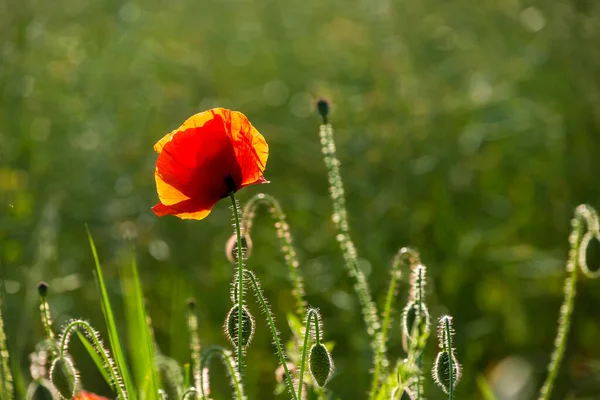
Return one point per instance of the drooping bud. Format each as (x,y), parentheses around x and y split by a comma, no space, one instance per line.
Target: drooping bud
(64,376)
(231,250)
(232,324)
(320,364)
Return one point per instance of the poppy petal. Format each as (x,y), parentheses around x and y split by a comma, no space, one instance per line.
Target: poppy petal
(251,149)
(161,210)
(195,121)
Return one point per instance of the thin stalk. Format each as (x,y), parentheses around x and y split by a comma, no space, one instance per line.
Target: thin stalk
(192,322)
(340,218)
(396,275)
(229,362)
(575,262)
(100,350)
(450,352)
(240,274)
(311,315)
(285,238)
(5,374)
(270,320)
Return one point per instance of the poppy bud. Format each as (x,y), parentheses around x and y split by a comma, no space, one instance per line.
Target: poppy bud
(42,289)
(409,316)
(231,250)
(231,326)
(323,108)
(320,364)
(441,371)
(64,377)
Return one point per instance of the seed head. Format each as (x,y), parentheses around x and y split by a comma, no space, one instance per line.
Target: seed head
(42,289)
(323,108)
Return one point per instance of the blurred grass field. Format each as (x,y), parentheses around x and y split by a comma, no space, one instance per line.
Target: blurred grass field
(468,130)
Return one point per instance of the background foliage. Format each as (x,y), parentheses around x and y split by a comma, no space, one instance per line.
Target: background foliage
(468,130)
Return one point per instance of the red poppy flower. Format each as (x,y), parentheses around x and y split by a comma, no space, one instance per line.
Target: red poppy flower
(211,155)
(83,395)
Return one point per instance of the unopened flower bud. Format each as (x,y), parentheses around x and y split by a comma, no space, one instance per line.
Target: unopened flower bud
(320,364)
(63,377)
(42,289)
(232,323)
(323,108)
(441,371)
(231,250)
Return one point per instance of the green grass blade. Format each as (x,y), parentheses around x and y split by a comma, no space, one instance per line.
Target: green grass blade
(140,336)
(484,387)
(111,326)
(95,357)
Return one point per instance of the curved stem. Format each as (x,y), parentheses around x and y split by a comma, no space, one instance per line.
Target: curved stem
(396,274)
(310,315)
(190,391)
(100,350)
(274,333)
(234,375)
(240,296)
(285,237)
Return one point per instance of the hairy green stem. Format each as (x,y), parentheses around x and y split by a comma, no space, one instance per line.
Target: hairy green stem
(229,362)
(5,374)
(100,350)
(449,350)
(240,272)
(285,237)
(576,261)
(192,322)
(396,274)
(310,316)
(340,218)
(270,320)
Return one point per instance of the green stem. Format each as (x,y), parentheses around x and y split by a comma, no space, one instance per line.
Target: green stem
(240,274)
(192,322)
(449,350)
(100,350)
(340,218)
(285,237)
(396,274)
(270,320)
(234,375)
(190,391)
(310,315)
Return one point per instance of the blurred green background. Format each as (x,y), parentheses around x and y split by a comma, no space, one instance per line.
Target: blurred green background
(468,130)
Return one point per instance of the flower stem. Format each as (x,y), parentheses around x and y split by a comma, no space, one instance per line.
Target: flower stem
(100,350)
(310,315)
(240,274)
(285,238)
(340,218)
(225,355)
(450,351)
(575,262)
(270,320)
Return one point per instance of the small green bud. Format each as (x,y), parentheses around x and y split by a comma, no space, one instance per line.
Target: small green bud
(42,289)
(323,108)
(231,326)
(320,364)
(441,371)
(64,377)
(231,250)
